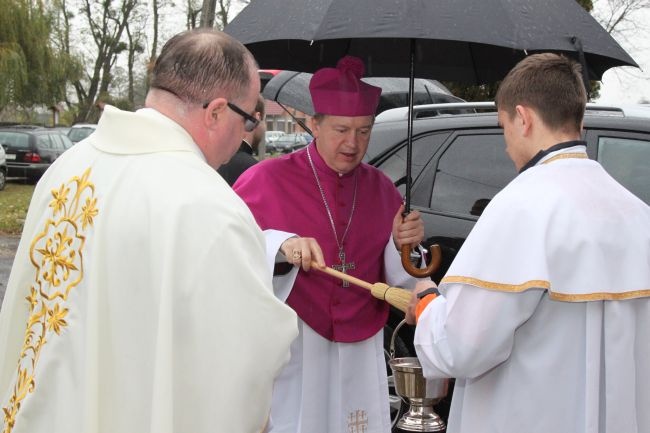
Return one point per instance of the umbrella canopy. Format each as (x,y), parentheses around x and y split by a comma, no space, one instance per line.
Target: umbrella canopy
(458,40)
(292,89)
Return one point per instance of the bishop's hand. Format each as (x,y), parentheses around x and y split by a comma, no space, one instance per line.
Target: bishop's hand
(407,230)
(302,251)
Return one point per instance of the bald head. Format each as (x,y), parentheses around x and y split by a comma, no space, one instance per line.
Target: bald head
(199,65)
(196,81)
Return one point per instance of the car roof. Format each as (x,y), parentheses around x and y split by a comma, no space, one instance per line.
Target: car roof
(31,129)
(485,112)
(391,126)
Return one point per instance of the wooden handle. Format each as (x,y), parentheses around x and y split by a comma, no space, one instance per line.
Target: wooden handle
(436,257)
(345,277)
(395,296)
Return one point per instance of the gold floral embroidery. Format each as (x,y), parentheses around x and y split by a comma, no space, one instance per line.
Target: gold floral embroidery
(56,254)
(56,319)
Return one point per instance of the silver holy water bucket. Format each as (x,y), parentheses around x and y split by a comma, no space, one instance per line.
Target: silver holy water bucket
(420,393)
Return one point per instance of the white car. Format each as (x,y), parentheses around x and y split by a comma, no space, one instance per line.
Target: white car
(270,136)
(80,131)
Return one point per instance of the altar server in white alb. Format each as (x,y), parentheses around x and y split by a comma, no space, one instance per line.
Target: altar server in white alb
(140,299)
(544,315)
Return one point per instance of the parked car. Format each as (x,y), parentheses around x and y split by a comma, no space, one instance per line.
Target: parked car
(459,164)
(3,168)
(31,150)
(80,131)
(270,136)
(288,143)
(307,136)
(63,129)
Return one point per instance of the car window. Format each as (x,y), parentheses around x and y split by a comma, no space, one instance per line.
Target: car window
(43,142)
(15,140)
(56,142)
(472,169)
(628,161)
(78,134)
(67,143)
(423,149)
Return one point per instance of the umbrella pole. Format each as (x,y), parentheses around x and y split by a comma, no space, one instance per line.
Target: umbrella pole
(409,131)
(406,249)
(298,121)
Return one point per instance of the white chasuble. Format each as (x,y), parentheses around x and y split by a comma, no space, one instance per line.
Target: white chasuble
(139,300)
(545,311)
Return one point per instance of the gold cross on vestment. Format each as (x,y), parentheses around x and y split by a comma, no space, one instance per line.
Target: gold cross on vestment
(357,422)
(343,267)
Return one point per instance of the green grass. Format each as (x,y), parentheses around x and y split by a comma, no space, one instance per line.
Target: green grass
(14,201)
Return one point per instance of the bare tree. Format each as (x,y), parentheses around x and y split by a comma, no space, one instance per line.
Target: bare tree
(135,37)
(193,11)
(155,6)
(619,17)
(207,13)
(62,28)
(224,9)
(624,19)
(107,21)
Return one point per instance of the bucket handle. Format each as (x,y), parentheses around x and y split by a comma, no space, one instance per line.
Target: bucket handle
(392,338)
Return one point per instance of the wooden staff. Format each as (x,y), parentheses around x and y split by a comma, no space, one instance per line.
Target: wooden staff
(395,296)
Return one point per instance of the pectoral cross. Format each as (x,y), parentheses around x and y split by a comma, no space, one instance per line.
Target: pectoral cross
(343,267)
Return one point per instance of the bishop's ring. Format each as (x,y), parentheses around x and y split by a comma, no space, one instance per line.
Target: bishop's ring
(297,255)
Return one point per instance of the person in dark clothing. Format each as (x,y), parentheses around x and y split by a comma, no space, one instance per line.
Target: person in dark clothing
(244,159)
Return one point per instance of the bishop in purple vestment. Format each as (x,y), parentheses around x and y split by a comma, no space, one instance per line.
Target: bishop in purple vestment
(352,210)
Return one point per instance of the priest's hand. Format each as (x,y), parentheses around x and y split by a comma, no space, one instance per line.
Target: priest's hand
(302,251)
(407,230)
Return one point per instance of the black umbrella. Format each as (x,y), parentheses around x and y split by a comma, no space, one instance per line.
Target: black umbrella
(290,88)
(457,40)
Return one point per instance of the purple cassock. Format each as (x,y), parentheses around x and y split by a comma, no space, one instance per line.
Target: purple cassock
(283,194)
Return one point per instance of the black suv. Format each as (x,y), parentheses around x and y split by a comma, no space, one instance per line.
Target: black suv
(459,163)
(30,150)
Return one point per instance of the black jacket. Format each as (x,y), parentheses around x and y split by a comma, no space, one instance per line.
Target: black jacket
(241,160)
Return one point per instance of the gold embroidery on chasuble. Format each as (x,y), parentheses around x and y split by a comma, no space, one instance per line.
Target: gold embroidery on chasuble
(358,422)
(56,253)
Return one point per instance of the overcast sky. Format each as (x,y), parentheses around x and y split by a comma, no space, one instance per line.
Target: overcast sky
(627,85)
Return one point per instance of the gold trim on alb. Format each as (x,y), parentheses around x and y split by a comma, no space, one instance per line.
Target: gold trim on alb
(543,284)
(540,284)
(602,296)
(566,156)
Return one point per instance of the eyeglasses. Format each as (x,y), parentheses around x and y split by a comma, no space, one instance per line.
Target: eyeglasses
(250,122)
